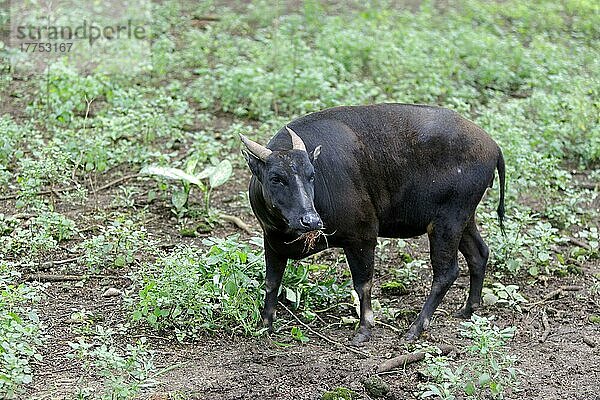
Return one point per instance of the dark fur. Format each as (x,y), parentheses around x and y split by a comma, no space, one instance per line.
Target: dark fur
(391,170)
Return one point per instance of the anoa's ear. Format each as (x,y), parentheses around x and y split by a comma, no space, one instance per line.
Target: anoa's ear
(255,164)
(316,153)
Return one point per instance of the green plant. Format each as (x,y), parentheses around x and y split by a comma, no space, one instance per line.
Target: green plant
(340,393)
(193,290)
(313,286)
(298,335)
(488,372)
(36,236)
(20,333)
(217,175)
(123,372)
(116,246)
(404,278)
(503,295)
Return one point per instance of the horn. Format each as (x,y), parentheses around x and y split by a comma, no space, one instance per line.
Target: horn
(258,151)
(297,143)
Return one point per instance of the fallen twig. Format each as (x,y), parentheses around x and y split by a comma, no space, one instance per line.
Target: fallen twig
(546,327)
(555,294)
(579,243)
(237,222)
(405,359)
(40,277)
(70,189)
(116,182)
(325,338)
(588,340)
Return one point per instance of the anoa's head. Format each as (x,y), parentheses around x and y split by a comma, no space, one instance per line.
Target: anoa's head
(288,181)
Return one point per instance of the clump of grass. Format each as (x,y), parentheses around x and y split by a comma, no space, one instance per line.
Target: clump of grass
(310,239)
(192,290)
(488,372)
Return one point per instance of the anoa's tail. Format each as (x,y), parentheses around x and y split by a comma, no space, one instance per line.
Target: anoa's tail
(501,174)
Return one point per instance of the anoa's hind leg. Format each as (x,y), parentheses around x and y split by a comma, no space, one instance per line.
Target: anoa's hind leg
(476,254)
(444,237)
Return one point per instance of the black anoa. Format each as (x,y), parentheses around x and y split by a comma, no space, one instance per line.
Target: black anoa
(362,172)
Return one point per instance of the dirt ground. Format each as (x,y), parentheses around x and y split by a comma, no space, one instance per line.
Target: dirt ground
(564,366)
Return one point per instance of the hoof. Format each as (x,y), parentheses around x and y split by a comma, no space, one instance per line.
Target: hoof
(415,331)
(463,313)
(411,336)
(267,323)
(360,338)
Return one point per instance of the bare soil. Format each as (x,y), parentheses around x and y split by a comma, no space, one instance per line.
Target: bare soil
(235,367)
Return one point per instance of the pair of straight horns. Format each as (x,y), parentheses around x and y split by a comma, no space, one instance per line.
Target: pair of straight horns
(261,152)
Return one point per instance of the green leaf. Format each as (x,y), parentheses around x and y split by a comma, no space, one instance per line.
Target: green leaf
(190,165)
(543,256)
(484,379)
(220,174)
(120,261)
(490,299)
(179,198)
(291,295)
(470,389)
(171,173)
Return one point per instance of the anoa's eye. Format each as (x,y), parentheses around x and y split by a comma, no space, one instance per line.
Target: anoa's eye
(277,180)
(311,177)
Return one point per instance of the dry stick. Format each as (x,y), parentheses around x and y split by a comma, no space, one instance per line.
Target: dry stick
(579,243)
(237,222)
(70,189)
(587,340)
(325,338)
(555,294)
(67,278)
(116,182)
(546,327)
(405,359)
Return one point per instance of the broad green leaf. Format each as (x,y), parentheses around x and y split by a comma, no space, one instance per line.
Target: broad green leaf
(190,165)
(291,295)
(179,199)
(490,299)
(171,173)
(470,389)
(218,174)
(206,172)
(484,379)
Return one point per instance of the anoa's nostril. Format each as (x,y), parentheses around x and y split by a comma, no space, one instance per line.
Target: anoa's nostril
(305,221)
(311,221)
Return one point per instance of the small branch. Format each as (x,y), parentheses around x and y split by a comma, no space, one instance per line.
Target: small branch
(588,340)
(116,182)
(237,222)
(325,338)
(405,359)
(546,327)
(555,294)
(40,277)
(70,189)
(579,243)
